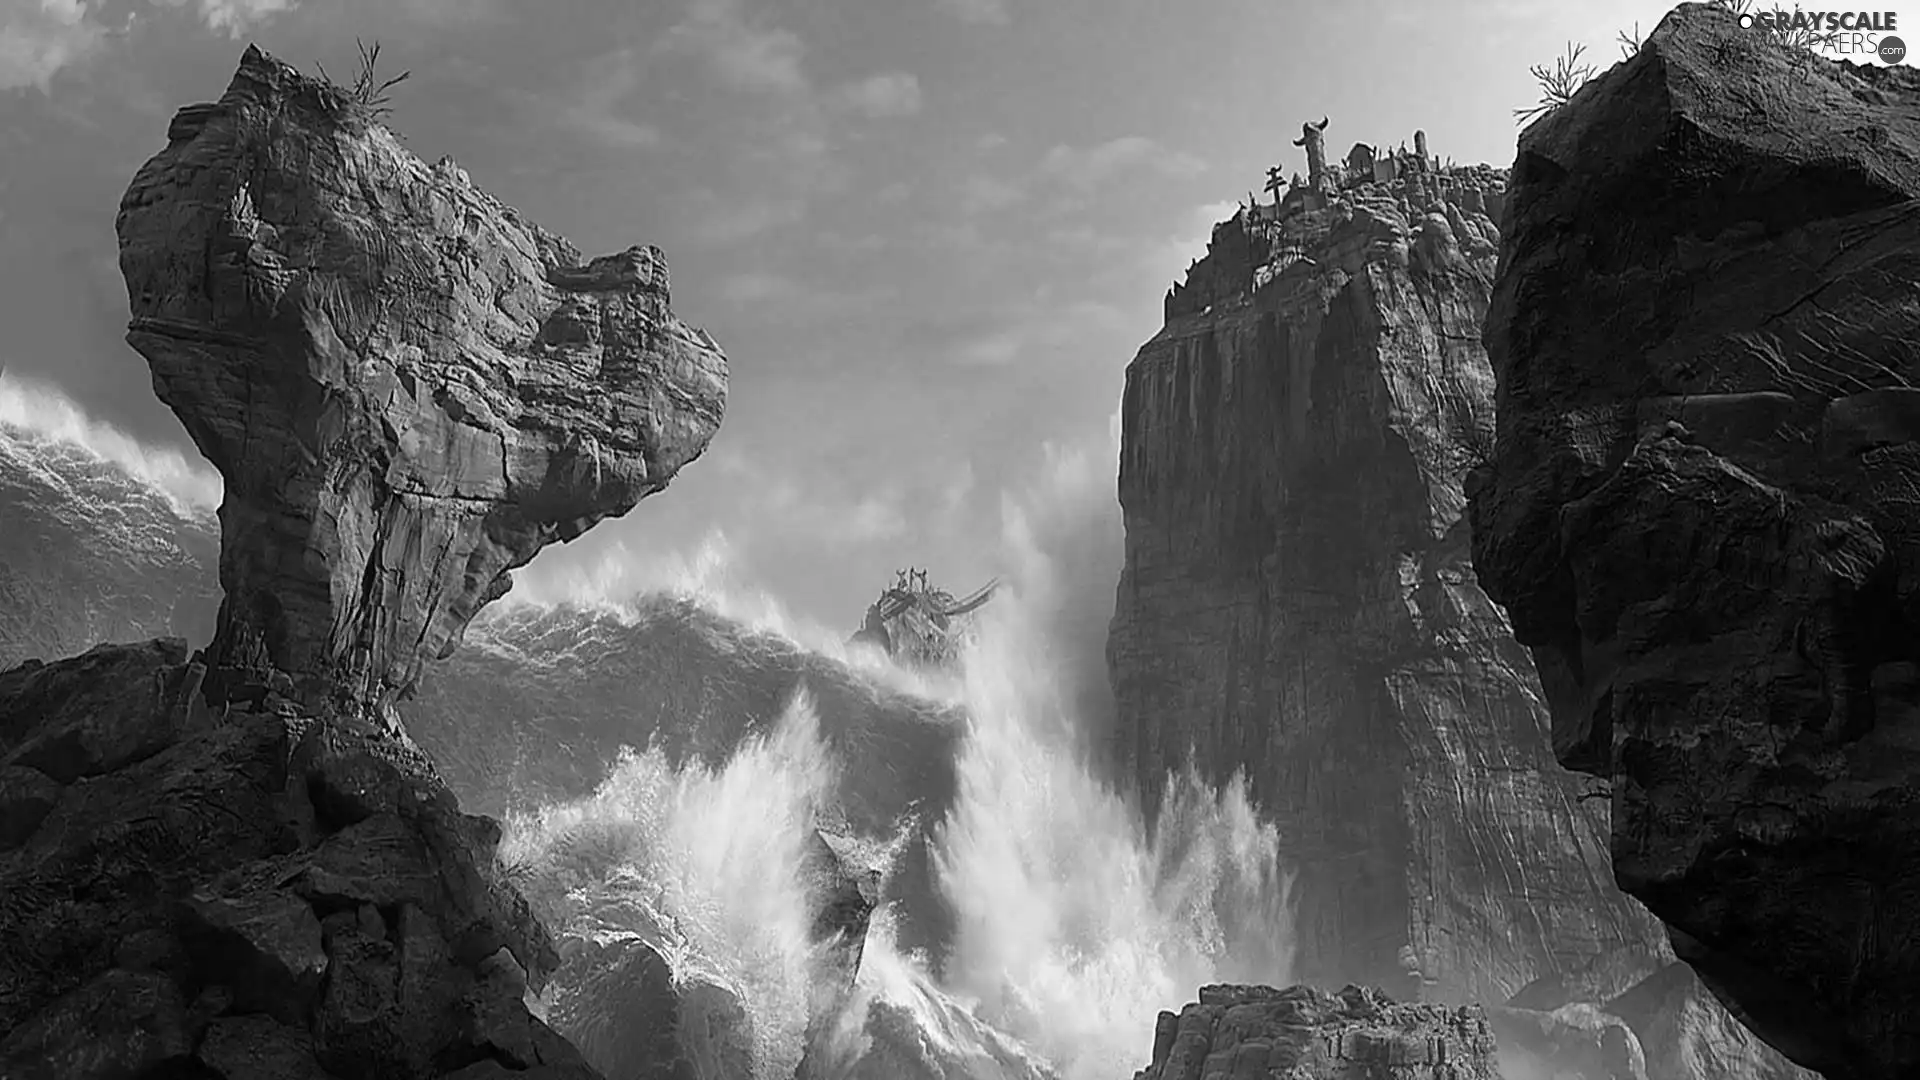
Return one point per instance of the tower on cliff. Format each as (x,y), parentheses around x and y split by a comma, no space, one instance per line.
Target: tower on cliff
(1314,138)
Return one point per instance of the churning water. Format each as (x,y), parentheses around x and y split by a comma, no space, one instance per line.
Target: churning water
(1073,923)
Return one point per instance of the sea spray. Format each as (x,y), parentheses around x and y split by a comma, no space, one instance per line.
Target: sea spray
(704,866)
(1076,922)
(1076,926)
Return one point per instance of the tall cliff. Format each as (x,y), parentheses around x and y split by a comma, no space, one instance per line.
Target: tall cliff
(1701,509)
(1298,601)
(235,863)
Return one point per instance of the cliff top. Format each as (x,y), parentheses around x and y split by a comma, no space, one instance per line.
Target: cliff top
(1263,240)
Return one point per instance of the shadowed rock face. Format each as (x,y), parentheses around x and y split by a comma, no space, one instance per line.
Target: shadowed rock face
(409,389)
(1702,513)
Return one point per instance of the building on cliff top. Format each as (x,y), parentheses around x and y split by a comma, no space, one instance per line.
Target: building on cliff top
(921,625)
(1265,239)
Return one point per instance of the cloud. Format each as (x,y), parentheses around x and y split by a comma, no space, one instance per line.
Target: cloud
(40,37)
(988,350)
(757,287)
(794,300)
(1170,256)
(890,94)
(983,194)
(719,220)
(742,54)
(607,82)
(789,507)
(980,12)
(1094,166)
(450,12)
(233,17)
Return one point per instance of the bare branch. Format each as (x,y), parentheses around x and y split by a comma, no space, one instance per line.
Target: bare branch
(1558,84)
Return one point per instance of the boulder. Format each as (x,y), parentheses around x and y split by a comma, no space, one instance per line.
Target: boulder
(1700,512)
(1308,1034)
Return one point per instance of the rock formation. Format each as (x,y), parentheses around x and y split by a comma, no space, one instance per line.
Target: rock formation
(258,892)
(408,388)
(1298,601)
(1307,1034)
(1297,598)
(1700,510)
(236,864)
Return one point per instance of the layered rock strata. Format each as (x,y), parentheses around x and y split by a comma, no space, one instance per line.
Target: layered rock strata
(1309,1034)
(408,388)
(1700,510)
(236,863)
(1298,602)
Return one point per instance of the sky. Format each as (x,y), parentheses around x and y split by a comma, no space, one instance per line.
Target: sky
(929,234)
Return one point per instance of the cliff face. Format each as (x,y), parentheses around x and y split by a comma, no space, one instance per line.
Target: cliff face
(235,863)
(408,388)
(1298,601)
(1700,512)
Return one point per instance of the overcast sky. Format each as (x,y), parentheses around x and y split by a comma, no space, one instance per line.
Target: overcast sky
(929,234)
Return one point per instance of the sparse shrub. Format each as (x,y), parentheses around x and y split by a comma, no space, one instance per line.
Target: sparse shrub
(1629,43)
(1558,83)
(368,99)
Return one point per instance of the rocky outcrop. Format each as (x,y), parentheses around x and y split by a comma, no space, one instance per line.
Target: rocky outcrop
(408,388)
(1298,601)
(1313,1035)
(236,863)
(1699,511)
(260,893)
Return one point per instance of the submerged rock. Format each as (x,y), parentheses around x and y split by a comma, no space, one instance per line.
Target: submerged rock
(1699,511)
(1308,1034)
(408,388)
